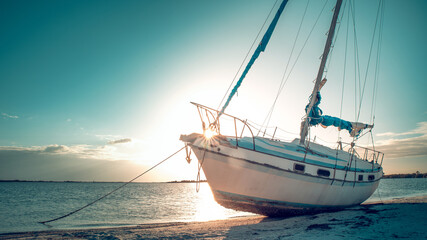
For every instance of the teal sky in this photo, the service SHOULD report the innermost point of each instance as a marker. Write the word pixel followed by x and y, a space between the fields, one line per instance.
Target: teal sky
pixel 109 82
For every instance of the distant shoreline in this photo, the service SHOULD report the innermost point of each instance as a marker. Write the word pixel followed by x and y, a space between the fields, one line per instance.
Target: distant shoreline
pixel 407 175
pixel 188 181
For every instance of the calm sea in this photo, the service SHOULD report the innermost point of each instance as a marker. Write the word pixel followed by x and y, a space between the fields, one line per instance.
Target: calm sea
pixel 23 204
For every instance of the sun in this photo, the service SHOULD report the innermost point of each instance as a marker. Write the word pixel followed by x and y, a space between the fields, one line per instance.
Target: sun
pixel 209 133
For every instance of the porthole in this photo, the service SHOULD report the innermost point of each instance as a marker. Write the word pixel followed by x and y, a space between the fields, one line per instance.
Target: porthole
pixel 323 173
pixel 360 177
pixel 299 167
pixel 371 177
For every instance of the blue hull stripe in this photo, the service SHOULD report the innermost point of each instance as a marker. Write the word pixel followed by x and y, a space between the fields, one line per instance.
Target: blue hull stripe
pixel 249 146
pixel 275 203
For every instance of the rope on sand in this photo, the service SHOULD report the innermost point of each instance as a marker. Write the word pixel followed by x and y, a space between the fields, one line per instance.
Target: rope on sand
pixel 121 186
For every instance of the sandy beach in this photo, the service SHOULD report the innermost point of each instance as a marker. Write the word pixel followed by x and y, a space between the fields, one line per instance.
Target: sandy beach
pixel 396 218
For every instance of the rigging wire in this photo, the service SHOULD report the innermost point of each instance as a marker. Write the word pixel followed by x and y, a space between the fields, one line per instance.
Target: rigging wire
pixel 356 57
pixel 283 81
pixel 376 76
pixel 247 54
pixel 259 127
pixel 331 51
pixel 267 119
pixel 121 186
pixel 345 59
pixel 369 60
pixel 345 68
pixel 361 90
pixel 378 61
pixel 333 42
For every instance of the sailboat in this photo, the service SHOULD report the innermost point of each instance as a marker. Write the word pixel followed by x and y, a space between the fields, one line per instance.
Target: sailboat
pixel 273 177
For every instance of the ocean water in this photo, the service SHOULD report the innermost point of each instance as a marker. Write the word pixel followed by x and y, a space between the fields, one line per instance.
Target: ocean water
pixel 24 204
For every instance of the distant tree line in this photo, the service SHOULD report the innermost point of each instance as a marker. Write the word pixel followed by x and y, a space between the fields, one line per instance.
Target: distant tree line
pixel 188 181
pixel 417 174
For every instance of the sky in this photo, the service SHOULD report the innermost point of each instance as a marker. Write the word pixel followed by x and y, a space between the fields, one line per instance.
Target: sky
pixel 101 90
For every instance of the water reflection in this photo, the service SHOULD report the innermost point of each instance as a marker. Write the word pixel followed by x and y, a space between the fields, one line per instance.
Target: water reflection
pixel 23 204
pixel 208 209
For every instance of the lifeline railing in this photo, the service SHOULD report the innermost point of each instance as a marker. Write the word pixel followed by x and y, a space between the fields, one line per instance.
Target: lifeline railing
pixel 369 155
pixel 210 120
pixel 210 116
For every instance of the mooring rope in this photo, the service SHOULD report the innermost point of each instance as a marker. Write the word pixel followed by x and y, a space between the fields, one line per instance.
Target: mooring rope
pixel 121 186
pixel 199 167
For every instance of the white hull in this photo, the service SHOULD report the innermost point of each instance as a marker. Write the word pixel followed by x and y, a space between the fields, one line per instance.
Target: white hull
pixel 254 181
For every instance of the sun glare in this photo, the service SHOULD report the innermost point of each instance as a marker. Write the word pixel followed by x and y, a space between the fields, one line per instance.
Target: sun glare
pixel 209 133
pixel 207 209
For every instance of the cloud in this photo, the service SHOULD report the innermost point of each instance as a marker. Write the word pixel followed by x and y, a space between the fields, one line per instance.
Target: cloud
pixel 36 164
pixel 80 163
pixel 76 151
pixel 55 149
pixel 407 144
pixel 420 130
pixel 390 134
pixel 123 140
pixel 5 115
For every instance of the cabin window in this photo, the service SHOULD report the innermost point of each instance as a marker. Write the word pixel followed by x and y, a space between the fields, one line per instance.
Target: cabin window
pixel 360 177
pixel 299 167
pixel 371 177
pixel 323 173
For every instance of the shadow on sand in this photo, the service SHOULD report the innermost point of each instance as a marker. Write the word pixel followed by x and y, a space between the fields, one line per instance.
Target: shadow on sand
pixel 398 220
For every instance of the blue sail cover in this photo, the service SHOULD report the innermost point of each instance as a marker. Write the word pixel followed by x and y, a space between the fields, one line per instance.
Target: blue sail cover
pixel 261 47
pixel 315 117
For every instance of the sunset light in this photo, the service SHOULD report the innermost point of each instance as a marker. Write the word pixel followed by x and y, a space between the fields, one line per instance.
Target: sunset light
pixel 226 119
pixel 209 133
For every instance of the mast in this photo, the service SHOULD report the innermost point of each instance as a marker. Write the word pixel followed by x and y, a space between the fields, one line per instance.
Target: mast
pixel 304 124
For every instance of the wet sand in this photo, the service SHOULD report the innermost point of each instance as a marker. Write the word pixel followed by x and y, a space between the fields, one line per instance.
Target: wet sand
pixel 396 218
